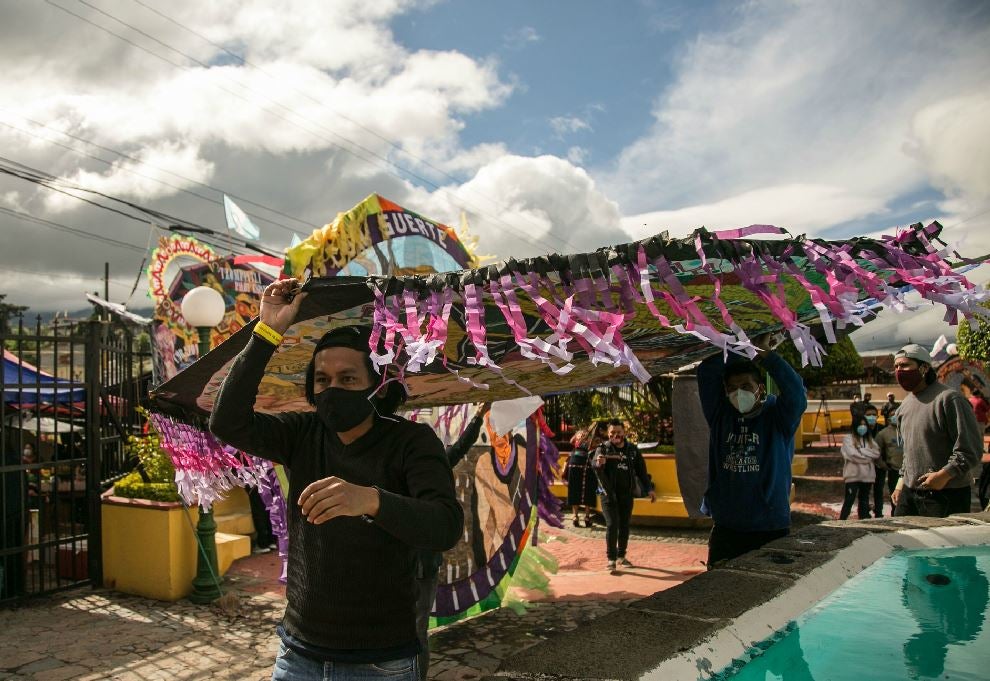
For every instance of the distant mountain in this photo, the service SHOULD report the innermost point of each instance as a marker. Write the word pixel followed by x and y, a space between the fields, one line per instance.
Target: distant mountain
pixel 83 313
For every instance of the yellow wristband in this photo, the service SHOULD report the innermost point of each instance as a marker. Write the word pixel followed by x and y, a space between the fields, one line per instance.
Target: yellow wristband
pixel 267 333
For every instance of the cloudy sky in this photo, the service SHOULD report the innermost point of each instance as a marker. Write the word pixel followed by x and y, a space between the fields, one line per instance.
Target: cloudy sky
pixel 555 126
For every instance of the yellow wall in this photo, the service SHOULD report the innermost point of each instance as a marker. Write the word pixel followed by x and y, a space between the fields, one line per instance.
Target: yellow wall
pixel 663 469
pixel 669 504
pixel 149 551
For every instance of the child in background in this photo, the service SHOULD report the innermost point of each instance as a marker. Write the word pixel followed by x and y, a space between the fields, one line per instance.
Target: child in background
pixel 860 452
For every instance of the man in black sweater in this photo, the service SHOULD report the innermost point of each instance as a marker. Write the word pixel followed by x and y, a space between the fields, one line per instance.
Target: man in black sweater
pixel 428 562
pixel 372 489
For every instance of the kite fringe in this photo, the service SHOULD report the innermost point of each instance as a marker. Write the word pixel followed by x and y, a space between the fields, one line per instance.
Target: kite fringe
pixel 590 297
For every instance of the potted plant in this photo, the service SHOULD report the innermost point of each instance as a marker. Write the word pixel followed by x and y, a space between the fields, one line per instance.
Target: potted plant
pixel 149 546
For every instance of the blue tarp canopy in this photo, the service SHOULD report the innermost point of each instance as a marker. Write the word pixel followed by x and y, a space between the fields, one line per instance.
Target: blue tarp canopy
pixel 25 384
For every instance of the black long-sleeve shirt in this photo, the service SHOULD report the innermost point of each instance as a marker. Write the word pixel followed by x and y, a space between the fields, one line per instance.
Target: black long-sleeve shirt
pixel 616 476
pixel 350 582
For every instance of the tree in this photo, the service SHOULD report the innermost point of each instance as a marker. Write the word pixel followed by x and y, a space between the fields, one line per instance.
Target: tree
pixel 974 345
pixel 6 312
pixel 842 362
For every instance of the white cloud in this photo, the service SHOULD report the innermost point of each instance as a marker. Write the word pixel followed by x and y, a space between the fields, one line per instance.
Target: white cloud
pixel 814 94
pixel 577 155
pixel 157 172
pixel 795 207
pixel 568 125
pixel 12 199
pixel 543 204
pixel 521 37
pixel 952 140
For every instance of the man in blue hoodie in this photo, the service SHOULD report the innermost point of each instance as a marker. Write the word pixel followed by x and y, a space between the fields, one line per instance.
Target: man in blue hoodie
pixel 750 449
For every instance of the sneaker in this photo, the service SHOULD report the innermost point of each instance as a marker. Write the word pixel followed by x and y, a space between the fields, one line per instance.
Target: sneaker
pixel 624 562
pixel 260 549
pixel 611 565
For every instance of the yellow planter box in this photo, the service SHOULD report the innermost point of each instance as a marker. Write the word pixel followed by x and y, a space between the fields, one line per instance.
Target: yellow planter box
pixel 149 548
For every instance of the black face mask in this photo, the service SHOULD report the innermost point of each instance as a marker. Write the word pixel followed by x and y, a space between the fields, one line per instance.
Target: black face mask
pixel 340 410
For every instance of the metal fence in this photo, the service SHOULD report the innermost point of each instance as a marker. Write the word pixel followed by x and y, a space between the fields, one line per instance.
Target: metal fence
pixel 70 392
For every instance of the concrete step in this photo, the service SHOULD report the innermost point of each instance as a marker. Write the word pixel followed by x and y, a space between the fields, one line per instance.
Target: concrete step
pixel 230 547
pixel 237 522
pixel 828 465
pixel 814 488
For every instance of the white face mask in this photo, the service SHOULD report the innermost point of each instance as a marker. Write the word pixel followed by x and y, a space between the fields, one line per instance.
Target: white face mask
pixel 743 400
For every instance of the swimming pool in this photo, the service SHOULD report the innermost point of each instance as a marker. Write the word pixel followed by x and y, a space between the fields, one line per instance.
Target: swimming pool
pixel 915 614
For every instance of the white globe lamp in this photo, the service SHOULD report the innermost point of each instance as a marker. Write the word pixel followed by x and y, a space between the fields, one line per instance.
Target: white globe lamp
pixel 204 308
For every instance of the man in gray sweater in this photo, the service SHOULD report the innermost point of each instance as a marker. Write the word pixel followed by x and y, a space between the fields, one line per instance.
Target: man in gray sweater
pixel 942 441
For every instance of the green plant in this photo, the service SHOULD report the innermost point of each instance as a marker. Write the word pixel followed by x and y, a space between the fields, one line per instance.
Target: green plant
pixel 132 487
pixel 157 466
pixel 974 345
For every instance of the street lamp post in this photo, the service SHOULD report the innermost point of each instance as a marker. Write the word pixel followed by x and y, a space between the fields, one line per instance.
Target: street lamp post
pixel 204 308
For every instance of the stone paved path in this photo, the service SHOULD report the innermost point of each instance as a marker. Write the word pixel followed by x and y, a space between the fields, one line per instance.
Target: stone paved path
pixel 99 634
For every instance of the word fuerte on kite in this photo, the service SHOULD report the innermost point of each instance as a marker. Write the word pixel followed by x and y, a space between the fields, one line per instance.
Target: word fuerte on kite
pixel 399 224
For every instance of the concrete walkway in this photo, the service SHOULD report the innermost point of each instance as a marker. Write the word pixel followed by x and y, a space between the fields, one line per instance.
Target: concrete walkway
pixel 99 634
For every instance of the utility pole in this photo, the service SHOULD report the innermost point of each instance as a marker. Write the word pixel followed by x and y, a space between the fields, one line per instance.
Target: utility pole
pixel 105 314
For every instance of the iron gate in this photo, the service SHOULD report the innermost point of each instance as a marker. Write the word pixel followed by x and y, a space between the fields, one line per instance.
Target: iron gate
pixel 70 392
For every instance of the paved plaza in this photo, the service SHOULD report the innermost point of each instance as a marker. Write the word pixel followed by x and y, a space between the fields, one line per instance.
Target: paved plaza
pixel 99 634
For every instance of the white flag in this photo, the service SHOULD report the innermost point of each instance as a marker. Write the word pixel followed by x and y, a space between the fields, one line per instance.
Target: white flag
pixel 506 414
pixel 238 220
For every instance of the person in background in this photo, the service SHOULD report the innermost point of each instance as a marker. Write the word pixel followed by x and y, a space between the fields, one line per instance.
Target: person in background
pixel 942 441
pixel 859 453
pixel 32 477
pixel 867 402
pixel 855 408
pixel 582 485
pixel 981 409
pixel 888 408
pixel 264 538
pixel 891 454
pixel 371 489
pixel 619 465
pixel 872 417
pixel 429 562
pixel 750 449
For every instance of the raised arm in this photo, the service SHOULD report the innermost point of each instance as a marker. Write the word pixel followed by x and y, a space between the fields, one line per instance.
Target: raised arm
pixel 234 420
pixel 456 451
pixel 710 390
pixel 792 400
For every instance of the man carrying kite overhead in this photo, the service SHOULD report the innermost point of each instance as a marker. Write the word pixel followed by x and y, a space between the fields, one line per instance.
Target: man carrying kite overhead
pixel 371 488
pixel 750 450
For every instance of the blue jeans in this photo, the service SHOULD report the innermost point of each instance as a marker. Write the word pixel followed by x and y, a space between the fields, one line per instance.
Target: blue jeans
pixel 291 666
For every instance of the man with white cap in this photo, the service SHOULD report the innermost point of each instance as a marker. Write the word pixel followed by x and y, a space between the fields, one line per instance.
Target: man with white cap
pixel 942 441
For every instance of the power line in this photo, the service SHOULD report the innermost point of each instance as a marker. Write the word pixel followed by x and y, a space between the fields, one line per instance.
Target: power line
pixel 27 217
pixel 175 224
pixel 150 177
pixel 389 164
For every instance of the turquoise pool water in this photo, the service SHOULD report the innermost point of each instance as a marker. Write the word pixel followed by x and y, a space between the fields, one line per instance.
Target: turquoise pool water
pixel 913 615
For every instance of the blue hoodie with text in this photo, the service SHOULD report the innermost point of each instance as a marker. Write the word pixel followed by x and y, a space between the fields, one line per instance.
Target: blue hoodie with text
pixel 749 457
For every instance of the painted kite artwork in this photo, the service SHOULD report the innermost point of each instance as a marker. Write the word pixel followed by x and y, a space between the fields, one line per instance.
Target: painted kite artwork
pixel 625 313
pixel 497 485
pixel 459 334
